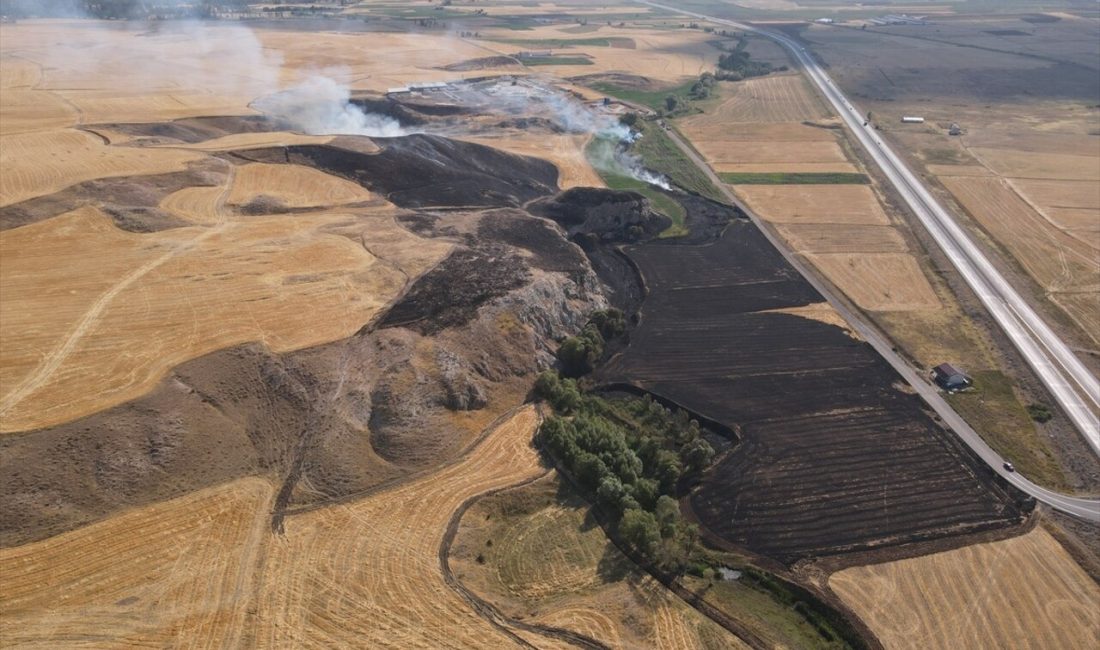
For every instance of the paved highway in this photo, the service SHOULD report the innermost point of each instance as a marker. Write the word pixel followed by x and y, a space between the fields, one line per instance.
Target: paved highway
pixel 1076 389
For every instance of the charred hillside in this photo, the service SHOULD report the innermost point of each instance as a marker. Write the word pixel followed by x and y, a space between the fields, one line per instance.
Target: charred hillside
pixel 423 171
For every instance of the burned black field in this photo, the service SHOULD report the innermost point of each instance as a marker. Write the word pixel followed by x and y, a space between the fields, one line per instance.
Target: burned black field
pixel 833 456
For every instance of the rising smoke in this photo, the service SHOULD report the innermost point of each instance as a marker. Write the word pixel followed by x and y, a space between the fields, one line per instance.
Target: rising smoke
pixel 612 139
pixel 322 106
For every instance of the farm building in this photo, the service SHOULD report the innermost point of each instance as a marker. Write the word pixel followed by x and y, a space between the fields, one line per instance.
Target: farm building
pixel 949 377
pixel 911 119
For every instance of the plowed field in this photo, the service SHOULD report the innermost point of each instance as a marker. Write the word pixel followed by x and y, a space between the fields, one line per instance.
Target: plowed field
pixel 1025 592
pixel 834 457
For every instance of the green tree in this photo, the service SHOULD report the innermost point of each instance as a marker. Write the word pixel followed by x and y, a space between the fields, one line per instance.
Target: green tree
pixel 645 491
pixel 666 470
pixel 639 529
pixel 629 119
pixel 697 455
pixel 610 494
pixel 671 103
pixel 667 512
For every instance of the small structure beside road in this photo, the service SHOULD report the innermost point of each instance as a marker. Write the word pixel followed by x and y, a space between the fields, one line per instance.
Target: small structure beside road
pixel 948 377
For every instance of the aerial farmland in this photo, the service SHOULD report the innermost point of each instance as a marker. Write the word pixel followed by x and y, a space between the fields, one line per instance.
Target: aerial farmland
pixel 500 323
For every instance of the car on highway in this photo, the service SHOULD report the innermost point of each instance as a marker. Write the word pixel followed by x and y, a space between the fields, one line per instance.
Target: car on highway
pixel 1009 466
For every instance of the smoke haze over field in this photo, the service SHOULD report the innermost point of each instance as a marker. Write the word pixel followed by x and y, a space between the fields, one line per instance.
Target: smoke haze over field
pixel 321 106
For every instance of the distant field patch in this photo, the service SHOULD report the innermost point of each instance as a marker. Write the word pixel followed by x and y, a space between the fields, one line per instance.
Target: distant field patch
pixel 560 43
pixel 793 178
pixel 555 60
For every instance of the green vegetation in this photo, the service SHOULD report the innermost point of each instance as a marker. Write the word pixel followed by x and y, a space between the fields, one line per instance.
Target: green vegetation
pixel 555 60
pixel 660 201
pixel 775 611
pixel 737 64
pixel 628 456
pixel 994 411
pixel 600 150
pixel 663 156
pixel 785 178
pixel 653 98
pixel 1039 412
pixel 578 354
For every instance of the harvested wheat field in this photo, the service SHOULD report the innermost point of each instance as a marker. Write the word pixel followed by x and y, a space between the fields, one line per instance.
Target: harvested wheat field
pixel 293 186
pixel 544 561
pixel 878 281
pixel 770 99
pixel 1040 165
pixel 782 156
pixel 1055 259
pixel 242 141
pixel 816 204
pixel 1025 592
pixel 565 151
pixel 126 307
pixel 829 238
pixel 821 312
pixel 367 573
pixel 174 574
pixel 731 146
pixel 41 163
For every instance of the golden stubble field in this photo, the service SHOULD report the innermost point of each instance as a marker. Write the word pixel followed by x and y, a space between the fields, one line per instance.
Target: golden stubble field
pixel 205 570
pixel 1028 173
pixel 87 304
pixel 1024 592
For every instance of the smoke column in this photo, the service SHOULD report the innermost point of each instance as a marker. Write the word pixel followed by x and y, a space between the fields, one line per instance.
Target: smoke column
pixel 321 106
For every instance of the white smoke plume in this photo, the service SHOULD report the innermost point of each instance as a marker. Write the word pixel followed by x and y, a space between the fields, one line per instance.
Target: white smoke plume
pixel 610 152
pixel 322 106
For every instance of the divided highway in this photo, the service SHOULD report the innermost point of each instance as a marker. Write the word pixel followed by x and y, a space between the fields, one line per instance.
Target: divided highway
pixel 1073 386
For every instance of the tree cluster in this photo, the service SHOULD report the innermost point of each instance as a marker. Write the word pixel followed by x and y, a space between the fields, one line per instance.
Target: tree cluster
pixel 631 456
pixel 738 65
pixel 578 354
pixel 702 88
